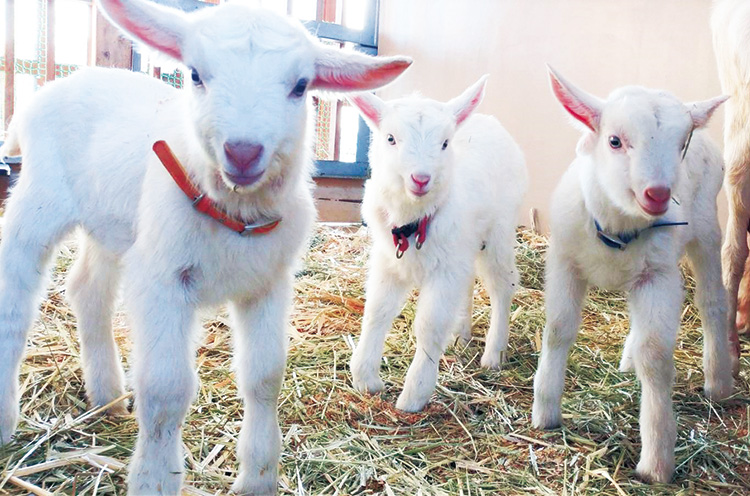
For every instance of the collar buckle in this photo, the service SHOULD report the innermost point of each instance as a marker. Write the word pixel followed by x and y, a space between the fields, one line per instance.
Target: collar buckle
pixel 259 227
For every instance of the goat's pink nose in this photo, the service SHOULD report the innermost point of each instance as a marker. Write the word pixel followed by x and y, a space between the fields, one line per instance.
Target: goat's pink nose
pixel 242 154
pixel 659 194
pixel 421 180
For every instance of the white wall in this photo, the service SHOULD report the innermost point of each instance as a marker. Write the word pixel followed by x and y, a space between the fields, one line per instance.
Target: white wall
pixel 597 44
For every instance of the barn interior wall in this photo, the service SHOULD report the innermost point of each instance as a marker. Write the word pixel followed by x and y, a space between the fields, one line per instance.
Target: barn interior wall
pixel 597 44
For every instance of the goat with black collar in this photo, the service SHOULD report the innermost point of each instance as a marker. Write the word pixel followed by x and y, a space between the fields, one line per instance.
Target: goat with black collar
pixel 640 193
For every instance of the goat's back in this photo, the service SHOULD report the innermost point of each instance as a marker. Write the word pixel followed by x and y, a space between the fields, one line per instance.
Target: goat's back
pixel 490 170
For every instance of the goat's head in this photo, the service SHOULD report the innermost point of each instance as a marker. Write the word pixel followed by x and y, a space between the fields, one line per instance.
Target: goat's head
pixel 412 138
pixel 637 138
pixel 249 73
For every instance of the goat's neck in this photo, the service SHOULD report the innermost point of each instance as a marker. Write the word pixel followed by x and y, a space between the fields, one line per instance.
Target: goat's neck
pixel 401 209
pixel 600 207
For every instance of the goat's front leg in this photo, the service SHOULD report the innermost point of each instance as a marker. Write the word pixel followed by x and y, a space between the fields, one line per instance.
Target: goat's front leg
pixel 261 340
pixel 655 307
pixel 164 326
pixel 564 294
pixel 385 297
pixel 441 298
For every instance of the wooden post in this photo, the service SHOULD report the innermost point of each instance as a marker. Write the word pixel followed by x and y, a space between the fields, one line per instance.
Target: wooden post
pixel 112 50
pixel 50 69
pixel 326 10
pixel 10 59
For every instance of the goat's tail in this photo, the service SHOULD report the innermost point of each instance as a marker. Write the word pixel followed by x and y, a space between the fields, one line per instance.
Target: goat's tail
pixel 11 147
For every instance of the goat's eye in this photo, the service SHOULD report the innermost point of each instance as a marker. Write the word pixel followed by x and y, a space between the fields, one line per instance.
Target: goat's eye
pixel 195 77
pixel 391 139
pixel 299 88
pixel 445 144
pixel 615 142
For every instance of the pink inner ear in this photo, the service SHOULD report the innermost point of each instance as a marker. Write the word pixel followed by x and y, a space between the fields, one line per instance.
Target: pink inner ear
pixel 144 33
pixel 340 79
pixel 575 107
pixel 468 109
pixel 367 109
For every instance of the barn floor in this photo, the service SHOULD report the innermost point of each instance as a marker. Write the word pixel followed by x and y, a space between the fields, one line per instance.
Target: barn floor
pixel 474 438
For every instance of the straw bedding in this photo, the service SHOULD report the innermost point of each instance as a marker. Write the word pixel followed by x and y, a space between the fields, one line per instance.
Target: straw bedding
pixel 474 438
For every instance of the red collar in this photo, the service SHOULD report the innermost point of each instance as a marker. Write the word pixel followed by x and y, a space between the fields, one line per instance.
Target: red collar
pixel 203 203
pixel 401 234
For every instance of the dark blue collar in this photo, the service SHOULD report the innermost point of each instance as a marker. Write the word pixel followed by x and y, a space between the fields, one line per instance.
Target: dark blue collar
pixel 621 240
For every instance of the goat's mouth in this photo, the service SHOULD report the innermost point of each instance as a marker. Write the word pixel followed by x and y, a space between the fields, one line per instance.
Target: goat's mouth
pixel 244 179
pixel 653 208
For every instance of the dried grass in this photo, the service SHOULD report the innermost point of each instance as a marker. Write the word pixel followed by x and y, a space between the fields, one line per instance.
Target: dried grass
pixel 474 438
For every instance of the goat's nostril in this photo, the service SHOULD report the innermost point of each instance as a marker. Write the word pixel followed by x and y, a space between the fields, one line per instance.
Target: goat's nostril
pixel 243 154
pixel 421 180
pixel 658 194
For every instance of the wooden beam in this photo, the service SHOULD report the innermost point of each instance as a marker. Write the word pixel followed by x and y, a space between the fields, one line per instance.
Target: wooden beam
pixel 326 11
pixel 10 59
pixel 112 50
pixel 50 58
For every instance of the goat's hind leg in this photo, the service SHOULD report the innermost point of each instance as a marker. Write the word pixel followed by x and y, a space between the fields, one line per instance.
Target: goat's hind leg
pixel 734 251
pixel 711 299
pixel 35 220
pixel 92 288
pixel 497 268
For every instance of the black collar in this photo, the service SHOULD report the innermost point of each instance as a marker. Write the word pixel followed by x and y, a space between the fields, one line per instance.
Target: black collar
pixel 621 240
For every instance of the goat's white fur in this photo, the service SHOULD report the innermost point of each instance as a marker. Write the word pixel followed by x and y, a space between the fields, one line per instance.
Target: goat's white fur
pixel 86 142
pixel 606 184
pixel 475 191
pixel 730 24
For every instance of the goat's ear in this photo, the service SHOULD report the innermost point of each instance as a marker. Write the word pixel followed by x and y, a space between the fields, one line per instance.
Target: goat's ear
pixel 161 28
pixel 701 112
pixel 344 70
pixel 464 104
pixel 582 106
pixel 370 107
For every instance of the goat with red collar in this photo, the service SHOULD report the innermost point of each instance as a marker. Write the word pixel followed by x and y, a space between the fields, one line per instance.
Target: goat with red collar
pixel 196 197
pixel 442 204
pixel 640 193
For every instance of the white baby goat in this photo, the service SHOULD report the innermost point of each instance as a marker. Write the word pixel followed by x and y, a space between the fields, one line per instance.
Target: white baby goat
pixel 458 180
pixel 616 223
pixel 240 131
pixel 730 24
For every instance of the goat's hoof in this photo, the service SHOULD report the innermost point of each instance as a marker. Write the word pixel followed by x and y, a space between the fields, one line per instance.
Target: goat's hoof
pixel 545 420
pixel 367 383
pixel 8 424
pixel 408 403
pixel 492 361
pixel 661 473
pixel 463 335
pixel 718 390
pixel 263 484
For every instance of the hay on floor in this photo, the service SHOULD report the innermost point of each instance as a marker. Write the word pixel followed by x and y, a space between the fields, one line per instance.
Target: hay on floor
pixel 474 438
